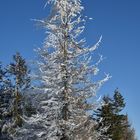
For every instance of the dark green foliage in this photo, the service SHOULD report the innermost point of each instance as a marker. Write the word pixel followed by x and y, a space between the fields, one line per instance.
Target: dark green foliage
pixel 21 81
pixel 112 123
pixel 104 117
pixel 29 109
pixel 119 103
pixel 18 69
pixel 129 131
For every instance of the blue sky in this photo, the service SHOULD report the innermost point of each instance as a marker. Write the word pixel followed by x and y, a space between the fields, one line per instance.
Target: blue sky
pixel 118 21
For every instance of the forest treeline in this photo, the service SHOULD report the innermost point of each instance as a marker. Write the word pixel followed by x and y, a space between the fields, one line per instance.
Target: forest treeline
pixel 15 103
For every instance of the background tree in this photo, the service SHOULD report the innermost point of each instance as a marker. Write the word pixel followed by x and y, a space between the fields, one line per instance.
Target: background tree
pixel 110 117
pixel 19 71
pixel 6 90
pixel 118 103
pixel 103 118
pixel 14 82
pixel 2 108
pixel 130 135
pixel 2 73
pixel 129 131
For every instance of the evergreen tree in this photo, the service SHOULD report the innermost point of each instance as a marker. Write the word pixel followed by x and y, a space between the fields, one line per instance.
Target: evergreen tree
pixel 66 79
pixel 14 81
pixel 2 73
pixel 119 103
pixel 130 134
pixel 103 118
pixel 109 116
pixel 5 102
pixel 119 120
pixel 18 73
pixel 129 131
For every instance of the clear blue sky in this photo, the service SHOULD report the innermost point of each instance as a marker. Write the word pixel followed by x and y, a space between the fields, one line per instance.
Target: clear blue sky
pixel 117 20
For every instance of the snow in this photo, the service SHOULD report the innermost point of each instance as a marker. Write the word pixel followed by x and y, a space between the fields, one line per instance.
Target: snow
pixel 65 76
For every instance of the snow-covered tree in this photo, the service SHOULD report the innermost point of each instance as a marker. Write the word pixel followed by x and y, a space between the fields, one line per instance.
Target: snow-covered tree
pixel 14 84
pixel 66 78
pixel 6 90
pixel 19 72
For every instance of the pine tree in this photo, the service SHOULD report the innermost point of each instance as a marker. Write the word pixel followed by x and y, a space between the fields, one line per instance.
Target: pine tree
pixel 5 102
pixel 18 73
pixel 129 131
pixel 65 78
pixel 1 91
pixel 1 99
pixel 110 117
pixel 14 81
pixel 130 134
pixel 119 103
pixel 103 116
